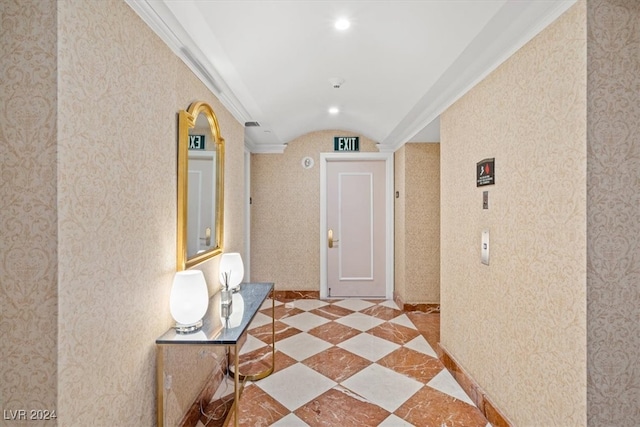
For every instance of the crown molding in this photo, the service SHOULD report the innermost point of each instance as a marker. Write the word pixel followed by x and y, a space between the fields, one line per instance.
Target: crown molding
pixel 500 39
pixel 162 22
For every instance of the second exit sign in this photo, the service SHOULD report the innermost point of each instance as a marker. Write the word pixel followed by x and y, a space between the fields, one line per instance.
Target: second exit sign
pixel 346 143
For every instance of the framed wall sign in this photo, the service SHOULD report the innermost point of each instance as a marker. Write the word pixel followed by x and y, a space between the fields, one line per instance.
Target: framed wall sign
pixel 485 172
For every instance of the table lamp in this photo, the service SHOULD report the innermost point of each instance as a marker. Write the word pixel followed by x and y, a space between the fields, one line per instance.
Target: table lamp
pixel 189 300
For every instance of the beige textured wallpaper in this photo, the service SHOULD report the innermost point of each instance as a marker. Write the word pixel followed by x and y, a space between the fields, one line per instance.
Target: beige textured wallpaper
pixel 422 223
pixel 613 213
pixel 285 213
pixel 28 220
pixel 112 169
pixel 417 223
pixel 518 326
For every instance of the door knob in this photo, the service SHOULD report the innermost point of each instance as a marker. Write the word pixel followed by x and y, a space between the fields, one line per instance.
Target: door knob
pixel 207 236
pixel 330 238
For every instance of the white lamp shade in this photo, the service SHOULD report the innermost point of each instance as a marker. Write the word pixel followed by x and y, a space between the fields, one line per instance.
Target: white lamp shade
pixel 231 263
pixel 189 298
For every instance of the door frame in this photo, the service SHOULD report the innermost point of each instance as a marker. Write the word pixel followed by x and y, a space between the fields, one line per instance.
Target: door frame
pixel 247 215
pixel 389 207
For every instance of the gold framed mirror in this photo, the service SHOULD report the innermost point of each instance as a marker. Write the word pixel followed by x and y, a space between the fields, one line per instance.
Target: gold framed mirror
pixel 200 186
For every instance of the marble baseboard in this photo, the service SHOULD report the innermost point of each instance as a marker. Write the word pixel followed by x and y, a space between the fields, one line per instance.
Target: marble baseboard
pixel 482 401
pixel 423 307
pixel 293 295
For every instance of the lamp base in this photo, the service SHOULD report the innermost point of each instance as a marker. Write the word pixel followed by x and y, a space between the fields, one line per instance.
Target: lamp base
pixel 188 329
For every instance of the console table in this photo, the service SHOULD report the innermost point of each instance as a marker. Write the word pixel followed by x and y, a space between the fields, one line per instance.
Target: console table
pixel 222 331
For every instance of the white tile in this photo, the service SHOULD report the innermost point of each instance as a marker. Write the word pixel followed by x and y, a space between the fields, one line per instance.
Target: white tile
pixel 295 385
pixel 305 321
pixel 368 346
pixel 302 346
pixel 445 383
pixel 395 421
pixel 354 304
pixel 382 386
pixel 252 343
pixel 267 304
pixel 421 345
pixel 308 304
pixel 390 303
pixel 403 320
pixel 359 321
pixel 259 320
pixel 290 421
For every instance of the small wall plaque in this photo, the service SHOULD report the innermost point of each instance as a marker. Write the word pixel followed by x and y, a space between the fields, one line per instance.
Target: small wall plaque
pixel 307 163
pixel 485 172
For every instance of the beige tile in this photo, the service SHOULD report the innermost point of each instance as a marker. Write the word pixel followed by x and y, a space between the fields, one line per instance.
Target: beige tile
pixel 337 363
pixel 413 364
pixel 382 312
pixel 257 408
pixel 340 407
pixel 332 311
pixel 334 332
pixel 393 332
pixel 429 407
pixel 282 330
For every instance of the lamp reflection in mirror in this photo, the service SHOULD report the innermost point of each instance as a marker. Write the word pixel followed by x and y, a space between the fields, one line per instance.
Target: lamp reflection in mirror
pixel 231 270
pixel 189 300
pixel 232 316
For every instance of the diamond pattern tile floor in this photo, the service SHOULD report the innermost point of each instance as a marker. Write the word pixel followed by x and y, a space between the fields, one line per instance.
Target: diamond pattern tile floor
pixel 344 363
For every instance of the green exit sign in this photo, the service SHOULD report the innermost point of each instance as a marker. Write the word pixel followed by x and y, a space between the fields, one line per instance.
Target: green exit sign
pixel 346 143
pixel 196 142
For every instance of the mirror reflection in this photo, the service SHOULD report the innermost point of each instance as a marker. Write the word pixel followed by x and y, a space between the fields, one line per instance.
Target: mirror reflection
pixel 200 186
pixel 201 206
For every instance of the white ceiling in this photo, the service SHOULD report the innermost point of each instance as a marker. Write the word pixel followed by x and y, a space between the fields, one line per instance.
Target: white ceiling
pixel 403 62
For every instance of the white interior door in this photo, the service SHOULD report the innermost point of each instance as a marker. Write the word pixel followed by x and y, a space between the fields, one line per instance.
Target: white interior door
pixel 200 209
pixel 356 228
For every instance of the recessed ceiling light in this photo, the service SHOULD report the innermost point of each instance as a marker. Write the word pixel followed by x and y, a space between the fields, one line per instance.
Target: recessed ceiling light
pixel 334 110
pixel 342 24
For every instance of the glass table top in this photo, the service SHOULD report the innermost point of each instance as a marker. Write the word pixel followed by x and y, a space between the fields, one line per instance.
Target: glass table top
pixel 224 330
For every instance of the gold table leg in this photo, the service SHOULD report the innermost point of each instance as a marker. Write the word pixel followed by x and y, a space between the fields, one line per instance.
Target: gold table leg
pixel 236 386
pixel 237 376
pixel 269 370
pixel 160 385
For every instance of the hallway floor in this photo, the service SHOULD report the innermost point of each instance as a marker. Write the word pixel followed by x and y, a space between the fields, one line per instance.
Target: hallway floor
pixel 346 363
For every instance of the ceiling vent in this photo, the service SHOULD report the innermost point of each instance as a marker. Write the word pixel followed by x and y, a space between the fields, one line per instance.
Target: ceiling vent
pixel 336 82
pixel 251 124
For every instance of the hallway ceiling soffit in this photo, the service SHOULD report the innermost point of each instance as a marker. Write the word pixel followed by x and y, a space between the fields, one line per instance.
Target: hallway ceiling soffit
pixel 400 64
